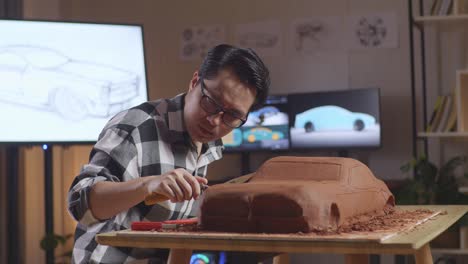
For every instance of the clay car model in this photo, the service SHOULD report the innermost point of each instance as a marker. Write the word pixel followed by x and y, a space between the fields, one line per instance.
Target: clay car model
pixel 295 194
pixel 331 117
pixel 46 79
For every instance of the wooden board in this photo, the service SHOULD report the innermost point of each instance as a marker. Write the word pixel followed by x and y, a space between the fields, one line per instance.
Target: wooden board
pixel 406 242
pixel 375 236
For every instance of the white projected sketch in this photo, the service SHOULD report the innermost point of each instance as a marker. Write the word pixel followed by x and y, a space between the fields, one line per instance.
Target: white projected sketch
pixel 48 80
pixel 197 40
pixel 316 34
pixel 373 31
pixel 263 37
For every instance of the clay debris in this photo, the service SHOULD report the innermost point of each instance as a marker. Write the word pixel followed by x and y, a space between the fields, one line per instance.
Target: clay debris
pixel 387 220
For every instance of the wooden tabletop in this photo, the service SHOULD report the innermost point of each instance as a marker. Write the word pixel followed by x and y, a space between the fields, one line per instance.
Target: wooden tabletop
pixel 405 242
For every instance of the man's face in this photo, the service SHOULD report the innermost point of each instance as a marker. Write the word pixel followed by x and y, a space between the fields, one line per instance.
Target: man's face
pixel 227 92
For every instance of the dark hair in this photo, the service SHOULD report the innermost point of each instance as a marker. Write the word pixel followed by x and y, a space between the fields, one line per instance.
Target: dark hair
pixel 245 63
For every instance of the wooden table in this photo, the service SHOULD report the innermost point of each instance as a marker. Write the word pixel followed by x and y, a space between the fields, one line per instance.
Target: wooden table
pixel 414 242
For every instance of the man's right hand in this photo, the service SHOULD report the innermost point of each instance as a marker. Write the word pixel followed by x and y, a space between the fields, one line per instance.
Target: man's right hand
pixel 177 185
pixel 110 198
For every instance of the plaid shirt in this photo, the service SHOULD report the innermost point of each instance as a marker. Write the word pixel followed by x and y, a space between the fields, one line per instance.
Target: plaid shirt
pixel 149 139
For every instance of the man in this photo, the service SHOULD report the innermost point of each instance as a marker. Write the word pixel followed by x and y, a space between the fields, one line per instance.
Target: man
pixel 163 147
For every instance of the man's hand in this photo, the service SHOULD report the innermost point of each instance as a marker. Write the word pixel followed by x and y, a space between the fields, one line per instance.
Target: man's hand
pixel 110 198
pixel 178 185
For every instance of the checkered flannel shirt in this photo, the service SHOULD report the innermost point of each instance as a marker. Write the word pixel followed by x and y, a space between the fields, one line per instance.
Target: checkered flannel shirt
pixel 149 139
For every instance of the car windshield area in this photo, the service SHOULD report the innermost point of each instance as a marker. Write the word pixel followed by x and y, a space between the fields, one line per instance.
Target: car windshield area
pixel 315 171
pixel 36 56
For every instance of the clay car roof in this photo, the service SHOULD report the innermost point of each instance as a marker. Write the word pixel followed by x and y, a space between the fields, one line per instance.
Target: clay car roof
pixel 307 168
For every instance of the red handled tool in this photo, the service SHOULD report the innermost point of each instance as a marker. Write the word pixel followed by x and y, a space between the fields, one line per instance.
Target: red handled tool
pixel 164 225
pixel 155 198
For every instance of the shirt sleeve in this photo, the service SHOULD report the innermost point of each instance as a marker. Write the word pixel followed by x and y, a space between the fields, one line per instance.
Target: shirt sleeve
pixel 113 158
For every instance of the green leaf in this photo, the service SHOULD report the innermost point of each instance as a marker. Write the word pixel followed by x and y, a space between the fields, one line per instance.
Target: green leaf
pixel 407 167
pixel 426 172
pixel 49 242
pixel 430 184
pixel 451 165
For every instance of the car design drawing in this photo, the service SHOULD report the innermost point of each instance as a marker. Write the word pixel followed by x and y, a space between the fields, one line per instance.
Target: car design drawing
pixel 262 133
pixel 233 139
pixel 258 40
pixel 331 117
pixel 46 79
pixel 295 194
pixel 267 115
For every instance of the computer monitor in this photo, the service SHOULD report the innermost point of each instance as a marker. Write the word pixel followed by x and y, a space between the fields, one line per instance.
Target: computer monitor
pixel 266 128
pixel 336 119
pixel 62 81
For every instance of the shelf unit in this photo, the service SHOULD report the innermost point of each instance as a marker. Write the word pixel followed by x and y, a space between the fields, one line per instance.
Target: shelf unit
pixel 462 96
pixel 457 18
pixel 442 134
pixel 458 15
pixel 450 251
pixel 422 20
pixel 461 102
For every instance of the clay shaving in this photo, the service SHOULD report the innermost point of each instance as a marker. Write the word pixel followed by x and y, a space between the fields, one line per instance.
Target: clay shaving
pixel 387 220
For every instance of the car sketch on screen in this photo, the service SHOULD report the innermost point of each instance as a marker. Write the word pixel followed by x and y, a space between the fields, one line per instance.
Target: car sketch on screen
pixel 267 116
pixel 265 129
pixel 51 81
pixel 233 139
pixel 330 117
pixel 261 134
pixel 333 126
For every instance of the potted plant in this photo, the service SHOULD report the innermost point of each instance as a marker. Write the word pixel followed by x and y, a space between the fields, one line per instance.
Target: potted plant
pixel 433 185
pixel 52 241
pixel 430 184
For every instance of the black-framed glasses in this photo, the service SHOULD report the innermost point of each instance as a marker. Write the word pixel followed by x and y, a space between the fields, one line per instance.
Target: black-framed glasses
pixel 230 118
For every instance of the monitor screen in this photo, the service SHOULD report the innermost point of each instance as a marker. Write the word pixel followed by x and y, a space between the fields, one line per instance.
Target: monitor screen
pixel 208 257
pixel 62 81
pixel 335 120
pixel 266 128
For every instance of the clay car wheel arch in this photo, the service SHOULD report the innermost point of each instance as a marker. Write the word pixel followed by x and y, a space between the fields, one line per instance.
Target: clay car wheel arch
pixel 390 201
pixel 358 125
pixel 334 215
pixel 309 127
pixel 68 104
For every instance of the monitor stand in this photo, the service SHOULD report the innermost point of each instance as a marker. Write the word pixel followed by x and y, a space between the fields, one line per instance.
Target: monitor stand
pixel 12 170
pixel 343 153
pixel 49 198
pixel 245 163
pixel 362 157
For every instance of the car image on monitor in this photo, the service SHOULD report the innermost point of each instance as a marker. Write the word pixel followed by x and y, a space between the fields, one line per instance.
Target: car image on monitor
pixel 335 119
pixel 331 118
